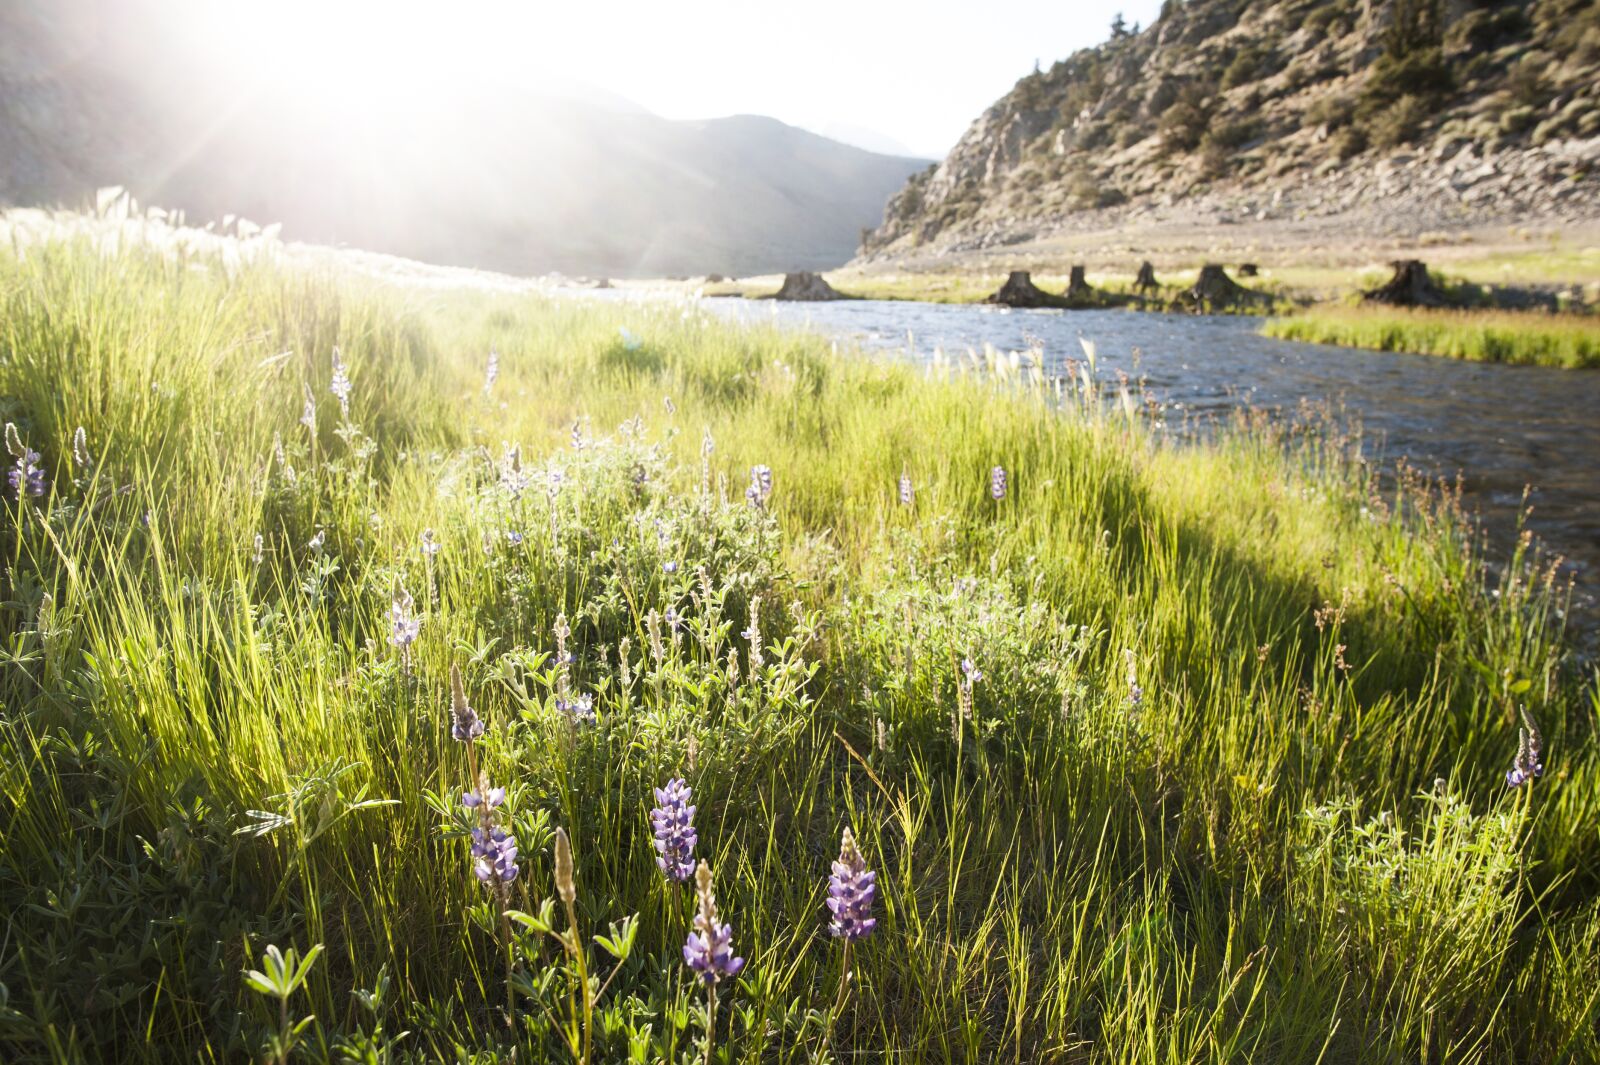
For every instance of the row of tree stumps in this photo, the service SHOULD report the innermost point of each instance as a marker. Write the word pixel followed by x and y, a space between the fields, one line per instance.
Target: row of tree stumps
pixel 1213 289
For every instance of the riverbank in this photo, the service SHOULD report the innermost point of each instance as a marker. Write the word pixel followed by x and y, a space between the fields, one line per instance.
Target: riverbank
pixel 1524 338
pixel 1126 728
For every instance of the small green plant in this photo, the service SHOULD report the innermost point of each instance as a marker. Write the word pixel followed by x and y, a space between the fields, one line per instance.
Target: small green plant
pixel 282 973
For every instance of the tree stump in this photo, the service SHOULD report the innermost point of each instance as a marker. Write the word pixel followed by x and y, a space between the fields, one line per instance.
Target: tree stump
pixel 1079 292
pixel 1249 270
pixel 1215 289
pixel 1146 281
pixel 806 287
pixel 1411 286
pixel 1020 291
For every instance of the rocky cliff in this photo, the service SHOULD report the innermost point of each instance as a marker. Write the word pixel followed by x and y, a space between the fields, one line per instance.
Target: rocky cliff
pixel 1393 116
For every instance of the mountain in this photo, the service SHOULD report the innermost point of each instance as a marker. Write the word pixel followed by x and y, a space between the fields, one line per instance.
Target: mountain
pixel 460 171
pixel 1394 117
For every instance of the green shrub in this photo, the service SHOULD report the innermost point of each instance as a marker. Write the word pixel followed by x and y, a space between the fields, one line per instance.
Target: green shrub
pixel 1244 68
pixel 1183 126
pixel 1400 122
pixel 1517 120
pixel 1334 112
pixel 1349 142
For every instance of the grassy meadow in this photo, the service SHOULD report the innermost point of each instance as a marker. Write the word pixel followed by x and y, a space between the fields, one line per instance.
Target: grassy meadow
pixel 1172 753
pixel 1569 340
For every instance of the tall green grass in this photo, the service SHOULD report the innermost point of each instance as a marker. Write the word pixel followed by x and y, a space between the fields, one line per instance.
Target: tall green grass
pixel 1570 340
pixel 1230 787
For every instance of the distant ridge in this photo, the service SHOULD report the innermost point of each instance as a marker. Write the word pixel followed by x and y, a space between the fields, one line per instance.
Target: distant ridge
pixel 474 174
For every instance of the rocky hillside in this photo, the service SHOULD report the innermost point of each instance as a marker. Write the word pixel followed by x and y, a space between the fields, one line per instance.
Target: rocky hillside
pixel 470 173
pixel 1391 116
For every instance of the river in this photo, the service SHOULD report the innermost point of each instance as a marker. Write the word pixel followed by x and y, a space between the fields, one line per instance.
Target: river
pixel 1501 428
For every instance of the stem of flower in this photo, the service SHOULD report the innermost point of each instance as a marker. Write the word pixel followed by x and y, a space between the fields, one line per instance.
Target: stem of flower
pixel 844 994
pixel 711 1019
pixel 575 945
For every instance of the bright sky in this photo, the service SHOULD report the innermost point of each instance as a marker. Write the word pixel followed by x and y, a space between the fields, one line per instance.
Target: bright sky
pixel 914 73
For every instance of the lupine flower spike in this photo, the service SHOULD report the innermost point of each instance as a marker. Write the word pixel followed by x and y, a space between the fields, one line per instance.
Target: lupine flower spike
pixel 26 476
pixel 851 891
pixel 465 724
pixel 404 624
pixel 708 952
pixel 492 372
pixel 673 824
pixel 1529 763
pixel 997 483
pixel 760 489
pixel 494 850
pixel 579 709
pixel 340 385
pixel 908 494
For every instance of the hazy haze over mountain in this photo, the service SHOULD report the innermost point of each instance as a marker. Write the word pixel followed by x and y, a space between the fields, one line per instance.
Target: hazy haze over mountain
pixel 445 164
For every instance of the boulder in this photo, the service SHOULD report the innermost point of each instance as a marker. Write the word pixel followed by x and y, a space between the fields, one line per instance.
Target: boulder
pixel 807 287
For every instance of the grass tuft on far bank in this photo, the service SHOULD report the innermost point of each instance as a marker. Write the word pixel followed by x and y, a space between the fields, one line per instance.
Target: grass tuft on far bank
pixel 1171 753
pixel 1530 338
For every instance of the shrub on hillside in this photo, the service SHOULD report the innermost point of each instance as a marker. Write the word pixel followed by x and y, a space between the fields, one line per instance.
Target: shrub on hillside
pixel 1183 126
pixel 1349 142
pixel 1333 112
pixel 1399 123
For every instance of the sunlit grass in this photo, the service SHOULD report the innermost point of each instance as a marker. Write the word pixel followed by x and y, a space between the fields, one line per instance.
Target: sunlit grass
pixel 1231 787
pixel 1569 340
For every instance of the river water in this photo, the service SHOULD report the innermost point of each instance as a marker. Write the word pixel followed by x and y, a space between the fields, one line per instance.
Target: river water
pixel 1501 428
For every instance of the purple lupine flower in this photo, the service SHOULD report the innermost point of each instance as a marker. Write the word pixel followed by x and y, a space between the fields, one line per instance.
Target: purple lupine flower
pixel 997 483
pixel 340 385
pixel 577 434
pixel 486 797
pixel 430 546
pixel 760 489
pixel 404 623
pixel 492 372
pixel 579 708
pixel 709 948
pixel 669 567
pixel 26 476
pixel 907 494
pixel 494 851
pixel 852 888
pixel 1528 764
pixel 673 823
pixel 513 538
pixel 465 724
pixel 969 670
pixel 308 413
